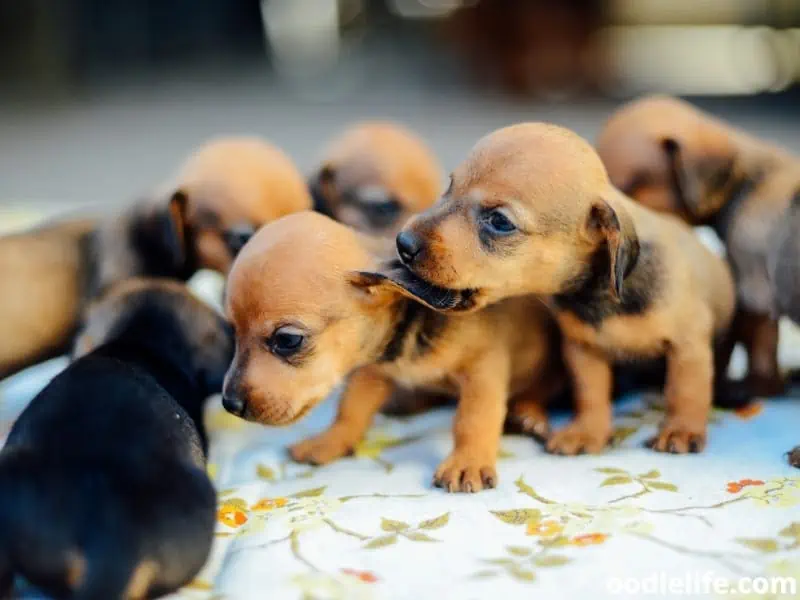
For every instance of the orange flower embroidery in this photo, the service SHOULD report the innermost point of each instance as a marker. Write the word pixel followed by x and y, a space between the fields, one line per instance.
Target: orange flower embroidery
pixel 266 504
pixel 750 410
pixel 589 539
pixel 231 515
pixel 734 487
pixel 364 576
pixel 544 528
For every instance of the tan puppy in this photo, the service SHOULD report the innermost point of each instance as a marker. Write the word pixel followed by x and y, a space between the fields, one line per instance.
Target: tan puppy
pixel 374 176
pixel 200 219
pixel 674 158
pixel 531 211
pixel 309 308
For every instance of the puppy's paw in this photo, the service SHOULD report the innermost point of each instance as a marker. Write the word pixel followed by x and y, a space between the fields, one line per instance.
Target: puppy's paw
pixel 579 437
pixel 679 437
pixel 794 457
pixel 466 472
pixel 321 449
pixel 528 420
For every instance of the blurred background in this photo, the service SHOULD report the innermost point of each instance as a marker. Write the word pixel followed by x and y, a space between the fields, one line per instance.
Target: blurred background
pixel 100 99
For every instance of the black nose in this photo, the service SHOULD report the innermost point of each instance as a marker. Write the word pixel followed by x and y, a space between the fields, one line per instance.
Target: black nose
pixel 408 246
pixel 234 403
pixel 236 237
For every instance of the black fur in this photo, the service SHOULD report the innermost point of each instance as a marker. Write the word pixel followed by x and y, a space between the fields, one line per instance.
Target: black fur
pixel 436 297
pixel 741 189
pixel 315 187
pixel 589 296
pixel 107 464
pixel 159 248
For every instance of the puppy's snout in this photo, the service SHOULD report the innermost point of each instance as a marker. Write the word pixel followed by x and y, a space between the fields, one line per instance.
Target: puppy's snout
pixel 234 402
pixel 236 237
pixel 409 246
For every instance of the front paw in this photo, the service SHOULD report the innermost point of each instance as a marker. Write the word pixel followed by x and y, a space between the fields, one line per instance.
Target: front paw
pixel 580 437
pixel 321 449
pixel 679 437
pixel 464 471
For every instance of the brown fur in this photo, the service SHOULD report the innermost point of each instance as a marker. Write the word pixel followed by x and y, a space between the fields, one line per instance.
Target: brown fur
pixel 311 276
pixel 624 282
pixel 674 158
pixel 374 176
pixel 219 196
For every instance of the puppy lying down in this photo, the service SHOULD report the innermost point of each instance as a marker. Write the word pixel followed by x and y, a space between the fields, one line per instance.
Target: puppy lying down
pixel 310 307
pixel 103 490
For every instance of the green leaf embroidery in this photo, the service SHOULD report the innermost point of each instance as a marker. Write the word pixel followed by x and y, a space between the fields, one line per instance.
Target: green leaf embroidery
pixel 310 493
pixel 485 574
pixel 621 434
pixel 519 550
pixel 382 542
pixel 503 453
pixel 616 480
pixel 661 485
pixel 518 517
pixel 765 545
pixel 389 525
pixel 555 542
pixel 235 502
pixel 500 562
pixel 792 531
pixel 418 536
pixel 227 492
pixel 522 574
pixel 264 472
pixel 436 523
pixel 654 474
pixel 611 471
pixel 551 560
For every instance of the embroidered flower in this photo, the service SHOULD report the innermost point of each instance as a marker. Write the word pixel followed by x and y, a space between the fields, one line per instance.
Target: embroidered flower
pixel 734 487
pixel 365 576
pixel 231 515
pixel 589 539
pixel 267 504
pixel 547 528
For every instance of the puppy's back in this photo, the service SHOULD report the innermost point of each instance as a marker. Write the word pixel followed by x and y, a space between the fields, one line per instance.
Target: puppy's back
pixel 43 275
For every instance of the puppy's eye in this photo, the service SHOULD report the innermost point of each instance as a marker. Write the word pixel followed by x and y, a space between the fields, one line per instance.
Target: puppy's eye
pixel 285 342
pixel 497 222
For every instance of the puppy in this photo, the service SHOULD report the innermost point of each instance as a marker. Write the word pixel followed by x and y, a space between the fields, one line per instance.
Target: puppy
pixel 672 157
pixel 374 176
pixel 531 211
pixel 200 219
pixel 103 491
pixel 310 306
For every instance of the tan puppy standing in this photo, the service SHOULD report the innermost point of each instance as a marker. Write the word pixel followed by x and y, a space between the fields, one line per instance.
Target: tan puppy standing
pixel 531 211
pixel 309 307
pixel 200 219
pixel 374 176
pixel 674 158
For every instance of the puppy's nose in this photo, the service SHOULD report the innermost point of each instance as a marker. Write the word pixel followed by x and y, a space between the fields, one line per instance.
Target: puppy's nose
pixel 236 237
pixel 408 246
pixel 234 403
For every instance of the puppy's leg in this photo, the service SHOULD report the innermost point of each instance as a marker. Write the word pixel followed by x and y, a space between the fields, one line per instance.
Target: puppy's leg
pixel 759 334
pixel 527 415
pixel 590 430
pixel 477 428
pixel 688 392
pixel 366 391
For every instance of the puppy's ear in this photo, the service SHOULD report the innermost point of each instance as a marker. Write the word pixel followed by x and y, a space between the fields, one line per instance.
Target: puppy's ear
pixel 619 237
pixel 321 187
pixel 175 226
pixel 376 289
pixel 694 182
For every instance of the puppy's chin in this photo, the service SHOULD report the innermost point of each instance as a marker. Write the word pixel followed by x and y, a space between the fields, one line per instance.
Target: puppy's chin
pixel 281 416
pixel 436 297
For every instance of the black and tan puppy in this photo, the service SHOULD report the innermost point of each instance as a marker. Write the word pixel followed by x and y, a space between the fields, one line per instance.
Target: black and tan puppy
pixel 674 158
pixel 103 490
pixel 200 219
pixel 309 308
pixel 531 211
pixel 374 176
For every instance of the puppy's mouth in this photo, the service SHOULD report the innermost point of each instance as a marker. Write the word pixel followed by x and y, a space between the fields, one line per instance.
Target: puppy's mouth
pixel 434 296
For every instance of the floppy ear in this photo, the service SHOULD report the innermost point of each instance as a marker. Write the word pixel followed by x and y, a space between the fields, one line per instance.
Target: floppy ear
pixel 620 239
pixel 165 231
pixel 378 288
pixel 321 187
pixel 695 181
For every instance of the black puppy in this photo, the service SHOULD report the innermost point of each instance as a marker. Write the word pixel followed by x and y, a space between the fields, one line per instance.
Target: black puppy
pixel 103 490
